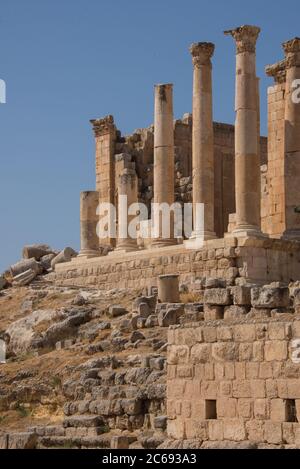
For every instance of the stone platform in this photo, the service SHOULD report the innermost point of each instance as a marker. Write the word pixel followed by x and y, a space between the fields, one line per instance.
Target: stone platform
pixel 238 260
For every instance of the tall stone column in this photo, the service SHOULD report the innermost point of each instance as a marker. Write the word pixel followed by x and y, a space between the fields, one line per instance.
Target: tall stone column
pixel 292 139
pixel 163 163
pixel 89 241
pixel 128 189
pixel 105 137
pixel 247 164
pixel 203 140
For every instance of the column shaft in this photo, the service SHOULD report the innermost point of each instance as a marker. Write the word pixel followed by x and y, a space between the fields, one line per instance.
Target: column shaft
pixel 89 241
pixel 163 165
pixel 203 140
pixel 247 164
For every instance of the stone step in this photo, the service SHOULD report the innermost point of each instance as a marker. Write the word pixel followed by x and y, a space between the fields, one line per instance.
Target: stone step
pixel 102 442
pixel 80 421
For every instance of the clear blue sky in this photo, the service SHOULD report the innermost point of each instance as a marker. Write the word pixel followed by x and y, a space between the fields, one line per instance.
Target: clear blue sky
pixel 67 61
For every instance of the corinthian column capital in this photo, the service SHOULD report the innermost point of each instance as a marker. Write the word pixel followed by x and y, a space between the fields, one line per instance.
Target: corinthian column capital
pixel 202 52
pixel 292 52
pixel 245 38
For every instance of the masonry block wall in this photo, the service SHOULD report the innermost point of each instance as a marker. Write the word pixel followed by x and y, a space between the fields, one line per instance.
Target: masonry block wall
pixel 235 381
pixel 237 261
pixel 139 148
pixel 273 198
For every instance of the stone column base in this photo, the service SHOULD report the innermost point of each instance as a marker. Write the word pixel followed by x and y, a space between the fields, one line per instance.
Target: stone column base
pixel 247 231
pixel 290 235
pixel 89 253
pixel 162 243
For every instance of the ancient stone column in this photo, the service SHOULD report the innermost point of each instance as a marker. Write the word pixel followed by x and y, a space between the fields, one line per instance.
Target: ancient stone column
pixel 89 241
pixel 247 164
pixel 203 140
pixel 292 138
pixel 168 289
pixel 163 163
pixel 128 190
pixel 105 138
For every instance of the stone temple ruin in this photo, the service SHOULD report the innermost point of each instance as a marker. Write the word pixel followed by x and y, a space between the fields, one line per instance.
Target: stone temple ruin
pixel 231 374
pixel 233 361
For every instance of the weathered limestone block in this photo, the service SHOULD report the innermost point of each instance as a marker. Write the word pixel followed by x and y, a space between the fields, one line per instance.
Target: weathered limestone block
pixel 171 316
pixel 217 296
pixel 213 313
pixel 224 352
pixel 115 311
pixel 178 354
pixel 232 313
pixel 24 266
pixel 2 282
pixel 241 295
pixel 149 300
pixel 45 261
pixel 22 441
pixel 268 297
pixel 80 421
pixel 201 353
pixel 36 251
pixel 25 278
pixel 276 350
pixel 64 256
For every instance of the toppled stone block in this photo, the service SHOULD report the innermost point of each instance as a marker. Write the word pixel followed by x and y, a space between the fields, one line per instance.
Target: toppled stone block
pixel 141 323
pixel 25 278
pixel 36 251
pixel 171 316
pixel 3 282
pixel 152 321
pixel 116 311
pixel 143 310
pixel 45 261
pixel 217 296
pixel 22 440
pixel 160 423
pixel 135 336
pixel 66 255
pixel 150 301
pixel 270 298
pixel 214 283
pixel 24 266
pixel 80 421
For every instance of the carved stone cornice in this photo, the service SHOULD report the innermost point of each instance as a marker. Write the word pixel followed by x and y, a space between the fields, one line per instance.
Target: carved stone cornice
pixel 277 71
pixel 202 52
pixel 292 52
pixel 245 38
pixel 103 126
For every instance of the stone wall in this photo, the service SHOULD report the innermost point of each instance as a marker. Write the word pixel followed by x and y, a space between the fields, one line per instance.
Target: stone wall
pixel 235 381
pixel 236 260
pixel 273 187
pixel 138 148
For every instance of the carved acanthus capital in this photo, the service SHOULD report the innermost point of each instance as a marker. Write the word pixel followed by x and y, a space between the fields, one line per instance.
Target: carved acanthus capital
pixel 277 71
pixel 202 52
pixel 245 38
pixel 292 52
pixel 103 126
